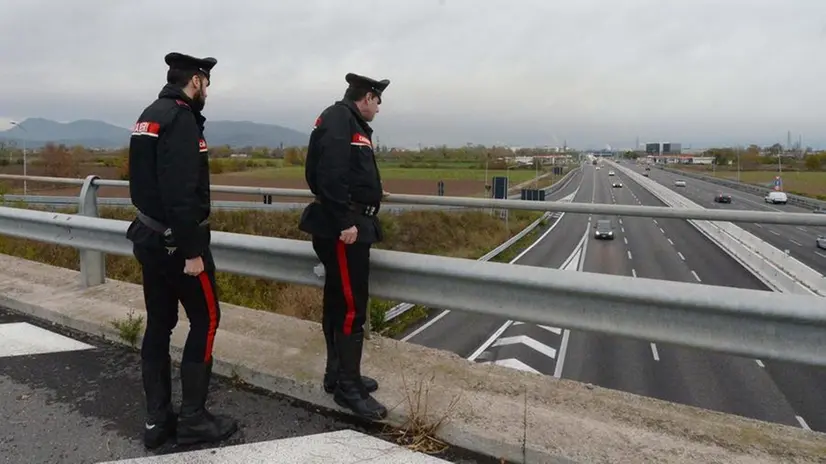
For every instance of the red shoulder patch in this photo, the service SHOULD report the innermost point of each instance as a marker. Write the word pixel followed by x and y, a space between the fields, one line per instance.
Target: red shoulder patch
pixel 181 103
pixel 361 140
pixel 317 122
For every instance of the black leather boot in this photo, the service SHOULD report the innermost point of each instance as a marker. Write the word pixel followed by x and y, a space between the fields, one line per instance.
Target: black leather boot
pixel 331 372
pixel 350 392
pixel 195 423
pixel 157 387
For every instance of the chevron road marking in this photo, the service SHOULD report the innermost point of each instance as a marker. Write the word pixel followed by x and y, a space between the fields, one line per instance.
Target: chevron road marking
pixel 527 341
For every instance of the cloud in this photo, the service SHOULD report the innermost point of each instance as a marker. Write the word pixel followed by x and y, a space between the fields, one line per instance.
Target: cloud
pixel 485 71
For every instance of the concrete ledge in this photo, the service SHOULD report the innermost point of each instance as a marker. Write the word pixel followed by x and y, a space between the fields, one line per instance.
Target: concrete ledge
pixel 502 412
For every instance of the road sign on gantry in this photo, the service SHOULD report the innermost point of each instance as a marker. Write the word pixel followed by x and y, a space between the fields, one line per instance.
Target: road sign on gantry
pixel 500 187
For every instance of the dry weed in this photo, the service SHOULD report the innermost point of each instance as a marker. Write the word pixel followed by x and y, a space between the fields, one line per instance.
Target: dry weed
pixel 418 432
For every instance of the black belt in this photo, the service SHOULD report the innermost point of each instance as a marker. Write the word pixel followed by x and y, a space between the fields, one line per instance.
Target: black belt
pixel 158 226
pixel 361 208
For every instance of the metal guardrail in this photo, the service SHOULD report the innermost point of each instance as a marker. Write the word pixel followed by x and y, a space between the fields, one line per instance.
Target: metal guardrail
pixel 765 325
pixel 560 184
pixel 796 200
pixel 766 217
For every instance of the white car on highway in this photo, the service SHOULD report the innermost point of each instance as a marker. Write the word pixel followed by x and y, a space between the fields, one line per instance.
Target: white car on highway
pixel 610 173
pixel 820 241
pixel 679 183
pixel 776 197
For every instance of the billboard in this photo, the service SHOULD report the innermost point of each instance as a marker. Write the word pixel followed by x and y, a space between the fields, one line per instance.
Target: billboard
pixel 652 148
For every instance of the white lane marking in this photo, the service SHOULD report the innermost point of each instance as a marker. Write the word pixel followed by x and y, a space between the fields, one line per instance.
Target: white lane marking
pixel 655 221
pixel 774 232
pixel 22 338
pixel 620 221
pixel 661 230
pixel 555 330
pixel 795 242
pixel 490 341
pixel 760 363
pixel 758 225
pixel 520 255
pixel 655 352
pixel 802 229
pixel 514 364
pixel 696 276
pixel 669 241
pixel 629 254
pixel 625 239
pixel 427 325
pixel 681 256
pixel 622 229
pixel 802 422
pixel 820 254
pixel 527 341
pixel 634 272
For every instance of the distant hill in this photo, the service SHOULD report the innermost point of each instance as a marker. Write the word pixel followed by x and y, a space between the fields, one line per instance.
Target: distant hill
pixel 99 134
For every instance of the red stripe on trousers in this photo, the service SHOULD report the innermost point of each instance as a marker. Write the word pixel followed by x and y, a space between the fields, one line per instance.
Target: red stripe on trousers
pixel 347 289
pixel 212 312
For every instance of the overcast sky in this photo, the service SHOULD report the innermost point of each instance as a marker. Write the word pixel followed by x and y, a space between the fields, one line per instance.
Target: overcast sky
pixel 518 72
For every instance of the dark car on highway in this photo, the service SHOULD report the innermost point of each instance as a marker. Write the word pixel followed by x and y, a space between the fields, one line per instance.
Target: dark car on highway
pixel 604 229
pixel 722 198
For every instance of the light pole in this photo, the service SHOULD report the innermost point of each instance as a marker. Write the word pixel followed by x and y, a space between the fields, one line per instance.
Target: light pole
pixel 25 183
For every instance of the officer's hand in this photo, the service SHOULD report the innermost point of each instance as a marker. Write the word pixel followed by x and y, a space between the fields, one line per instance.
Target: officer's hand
pixel 348 236
pixel 194 266
pixel 384 193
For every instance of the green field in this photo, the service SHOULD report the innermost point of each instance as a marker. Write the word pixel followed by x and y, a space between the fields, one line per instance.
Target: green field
pixel 390 172
pixel 807 183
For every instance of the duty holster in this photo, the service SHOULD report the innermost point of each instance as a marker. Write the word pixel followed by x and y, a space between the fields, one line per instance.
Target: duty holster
pixel 164 230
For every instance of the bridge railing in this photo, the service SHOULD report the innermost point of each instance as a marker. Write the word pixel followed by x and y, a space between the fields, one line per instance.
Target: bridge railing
pixel 91 184
pixel 762 324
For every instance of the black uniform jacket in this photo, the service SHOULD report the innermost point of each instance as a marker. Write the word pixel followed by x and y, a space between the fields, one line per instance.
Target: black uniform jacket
pixel 169 174
pixel 341 171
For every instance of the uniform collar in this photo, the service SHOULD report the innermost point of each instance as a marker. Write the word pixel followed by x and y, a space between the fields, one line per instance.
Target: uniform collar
pixel 351 105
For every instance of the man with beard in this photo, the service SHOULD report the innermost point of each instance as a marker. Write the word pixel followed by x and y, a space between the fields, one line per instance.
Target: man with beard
pixel 341 171
pixel 169 185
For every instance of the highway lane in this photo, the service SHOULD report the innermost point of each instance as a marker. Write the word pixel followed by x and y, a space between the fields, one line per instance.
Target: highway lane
pixel 462 332
pixel 801 384
pixel 672 249
pixel 799 240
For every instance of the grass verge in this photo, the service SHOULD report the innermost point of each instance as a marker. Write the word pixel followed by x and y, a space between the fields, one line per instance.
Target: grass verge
pixel 462 234
pixel 810 184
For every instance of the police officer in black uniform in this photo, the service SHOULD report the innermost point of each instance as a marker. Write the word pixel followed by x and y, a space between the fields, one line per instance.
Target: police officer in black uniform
pixel 341 171
pixel 169 185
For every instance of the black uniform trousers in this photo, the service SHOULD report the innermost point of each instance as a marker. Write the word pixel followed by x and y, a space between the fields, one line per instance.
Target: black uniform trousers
pixel 346 289
pixel 164 285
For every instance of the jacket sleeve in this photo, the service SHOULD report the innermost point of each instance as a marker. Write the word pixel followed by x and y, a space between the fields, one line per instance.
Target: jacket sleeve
pixel 333 169
pixel 178 163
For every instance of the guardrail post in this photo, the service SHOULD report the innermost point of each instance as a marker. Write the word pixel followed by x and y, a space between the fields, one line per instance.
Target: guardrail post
pixel 92 263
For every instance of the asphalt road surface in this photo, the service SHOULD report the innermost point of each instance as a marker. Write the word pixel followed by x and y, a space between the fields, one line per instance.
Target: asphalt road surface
pixel 799 240
pixel 800 384
pixel 70 398
pixel 463 332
